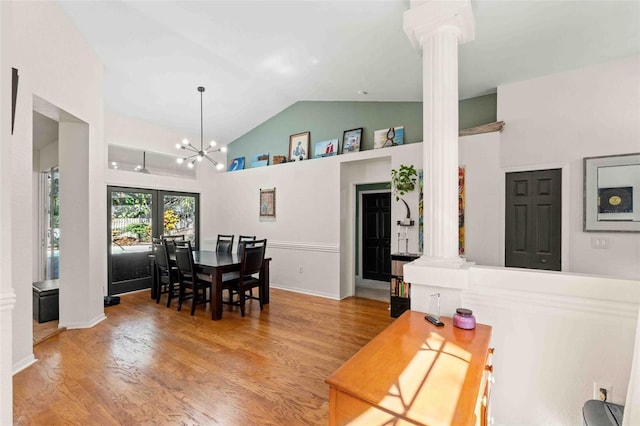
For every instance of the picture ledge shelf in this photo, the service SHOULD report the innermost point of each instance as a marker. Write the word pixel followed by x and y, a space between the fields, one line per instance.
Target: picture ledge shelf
pixel 485 128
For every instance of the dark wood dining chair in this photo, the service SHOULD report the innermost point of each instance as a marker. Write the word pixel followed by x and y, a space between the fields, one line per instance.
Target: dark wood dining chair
pixel 224 244
pixel 169 241
pixel 251 275
pixel 167 275
pixel 242 239
pixel 193 285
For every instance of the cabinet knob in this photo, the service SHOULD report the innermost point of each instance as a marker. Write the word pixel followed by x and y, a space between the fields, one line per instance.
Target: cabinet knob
pixel 489 368
pixel 492 350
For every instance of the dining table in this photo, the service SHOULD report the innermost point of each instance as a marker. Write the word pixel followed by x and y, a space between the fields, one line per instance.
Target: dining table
pixel 216 264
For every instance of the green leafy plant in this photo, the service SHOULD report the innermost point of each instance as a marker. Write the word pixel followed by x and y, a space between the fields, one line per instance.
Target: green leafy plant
pixel 403 180
pixel 138 228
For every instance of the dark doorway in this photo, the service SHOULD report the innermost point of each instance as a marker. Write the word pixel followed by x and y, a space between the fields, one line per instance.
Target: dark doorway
pixel 135 217
pixel 533 219
pixel 376 236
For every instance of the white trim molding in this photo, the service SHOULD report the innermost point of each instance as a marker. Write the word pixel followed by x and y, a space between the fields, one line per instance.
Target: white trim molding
pixel 24 363
pixel 289 245
pixel 7 300
pixel 77 325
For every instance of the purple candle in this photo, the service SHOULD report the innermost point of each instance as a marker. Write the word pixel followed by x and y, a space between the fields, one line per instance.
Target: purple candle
pixel 464 319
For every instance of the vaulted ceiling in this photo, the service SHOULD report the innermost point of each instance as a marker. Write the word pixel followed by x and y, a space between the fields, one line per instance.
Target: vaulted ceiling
pixel 256 58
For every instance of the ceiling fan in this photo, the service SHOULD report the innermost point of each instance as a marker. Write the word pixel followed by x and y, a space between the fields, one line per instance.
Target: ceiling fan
pixel 143 169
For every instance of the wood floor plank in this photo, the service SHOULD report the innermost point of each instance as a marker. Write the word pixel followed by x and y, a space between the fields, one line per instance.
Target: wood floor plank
pixel 148 364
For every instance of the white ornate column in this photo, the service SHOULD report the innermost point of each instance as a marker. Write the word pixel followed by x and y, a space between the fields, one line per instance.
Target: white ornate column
pixel 7 295
pixel 436 28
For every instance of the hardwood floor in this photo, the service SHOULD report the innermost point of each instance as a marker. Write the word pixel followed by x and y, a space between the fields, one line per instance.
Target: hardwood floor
pixel 148 364
pixel 43 331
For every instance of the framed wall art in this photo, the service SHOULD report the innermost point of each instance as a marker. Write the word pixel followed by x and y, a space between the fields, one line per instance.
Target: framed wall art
pixel 351 140
pixel 268 203
pixel 299 146
pixel 326 148
pixel 279 159
pixel 612 193
pixel 260 160
pixel 236 164
pixel 388 137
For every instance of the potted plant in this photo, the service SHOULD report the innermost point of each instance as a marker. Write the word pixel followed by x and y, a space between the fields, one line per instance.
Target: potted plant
pixel 403 180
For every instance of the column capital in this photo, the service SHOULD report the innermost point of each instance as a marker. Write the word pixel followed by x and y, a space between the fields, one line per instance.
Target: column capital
pixel 426 17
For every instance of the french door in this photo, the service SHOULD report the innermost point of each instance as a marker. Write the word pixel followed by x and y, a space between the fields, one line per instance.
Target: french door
pixel 135 217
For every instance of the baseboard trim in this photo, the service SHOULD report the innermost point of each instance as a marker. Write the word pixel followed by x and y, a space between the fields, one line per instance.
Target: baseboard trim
pixel 77 325
pixel 304 291
pixel 24 363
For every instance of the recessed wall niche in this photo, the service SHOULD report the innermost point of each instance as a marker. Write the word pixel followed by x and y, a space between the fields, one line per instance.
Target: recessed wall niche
pixel 128 159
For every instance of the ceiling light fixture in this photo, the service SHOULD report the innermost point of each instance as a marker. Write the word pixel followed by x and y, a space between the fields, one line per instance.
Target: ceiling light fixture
pixel 201 153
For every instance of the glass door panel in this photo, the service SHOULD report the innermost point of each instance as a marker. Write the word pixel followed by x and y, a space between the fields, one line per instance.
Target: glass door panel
pixel 180 215
pixel 131 230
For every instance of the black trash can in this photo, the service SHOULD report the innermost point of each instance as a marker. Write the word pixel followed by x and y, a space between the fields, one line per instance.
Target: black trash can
pixel 601 413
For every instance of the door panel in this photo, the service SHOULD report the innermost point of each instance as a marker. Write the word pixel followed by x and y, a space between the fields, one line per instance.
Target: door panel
pixel 180 213
pixel 131 229
pixel 533 219
pixel 376 236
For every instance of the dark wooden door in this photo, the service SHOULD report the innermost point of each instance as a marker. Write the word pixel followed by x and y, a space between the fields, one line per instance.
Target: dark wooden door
pixel 533 219
pixel 376 236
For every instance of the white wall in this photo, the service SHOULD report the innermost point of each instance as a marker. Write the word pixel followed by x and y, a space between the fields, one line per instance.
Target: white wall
pixel 484 198
pixel 314 213
pixel 56 65
pixel 562 118
pixel 7 293
pixel 304 233
pixel 134 133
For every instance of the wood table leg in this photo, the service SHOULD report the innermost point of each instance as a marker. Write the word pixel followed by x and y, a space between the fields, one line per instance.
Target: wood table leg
pixel 216 295
pixel 265 283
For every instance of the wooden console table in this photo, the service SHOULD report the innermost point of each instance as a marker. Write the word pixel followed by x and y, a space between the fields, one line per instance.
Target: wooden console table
pixel 416 373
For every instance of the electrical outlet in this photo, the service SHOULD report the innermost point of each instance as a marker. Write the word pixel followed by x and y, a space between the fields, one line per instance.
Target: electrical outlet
pixel 602 392
pixel 599 243
pixel 300 270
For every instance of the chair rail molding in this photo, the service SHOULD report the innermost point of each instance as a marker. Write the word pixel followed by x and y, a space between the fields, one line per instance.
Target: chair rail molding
pixel 7 300
pixel 290 245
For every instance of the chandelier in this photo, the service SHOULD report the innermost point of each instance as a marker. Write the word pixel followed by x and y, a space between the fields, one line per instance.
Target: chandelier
pixel 202 153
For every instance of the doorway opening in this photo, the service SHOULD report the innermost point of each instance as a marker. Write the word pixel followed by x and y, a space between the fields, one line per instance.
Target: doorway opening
pixel 373 236
pixel 135 216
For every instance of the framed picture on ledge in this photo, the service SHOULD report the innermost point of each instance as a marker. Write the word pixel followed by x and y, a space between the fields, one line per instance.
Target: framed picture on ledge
pixel 388 137
pixel 299 146
pixel 351 140
pixel 326 148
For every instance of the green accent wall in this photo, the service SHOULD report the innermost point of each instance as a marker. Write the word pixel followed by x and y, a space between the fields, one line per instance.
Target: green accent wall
pixel 476 111
pixel 328 120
